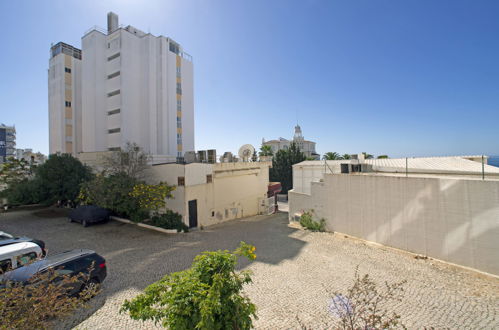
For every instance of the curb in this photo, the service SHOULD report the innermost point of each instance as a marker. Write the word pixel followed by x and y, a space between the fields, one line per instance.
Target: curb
pixel 143 225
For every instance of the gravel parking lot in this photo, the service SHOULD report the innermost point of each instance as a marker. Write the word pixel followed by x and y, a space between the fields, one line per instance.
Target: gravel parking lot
pixel 294 273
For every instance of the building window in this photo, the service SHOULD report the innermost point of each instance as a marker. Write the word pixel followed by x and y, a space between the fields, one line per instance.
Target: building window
pixel 179 140
pixel 112 57
pixel 113 93
pixel 174 48
pixel 114 130
pixel 112 75
pixel 181 181
pixel 113 112
pixel 179 88
pixel 179 105
pixel 209 178
pixel 179 136
pixel 68 70
pixel 68 104
pixel 178 71
pixel 179 124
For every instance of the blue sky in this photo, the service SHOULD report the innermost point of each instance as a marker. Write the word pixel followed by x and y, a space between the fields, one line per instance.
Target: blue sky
pixel 403 78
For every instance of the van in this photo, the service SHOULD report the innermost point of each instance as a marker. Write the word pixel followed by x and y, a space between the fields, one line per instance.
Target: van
pixel 16 255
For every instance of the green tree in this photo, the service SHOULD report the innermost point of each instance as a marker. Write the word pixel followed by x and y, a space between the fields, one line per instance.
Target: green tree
pixel 367 156
pixel 383 157
pixel 331 156
pixel 266 150
pixel 111 192
pixel 206 296
pixel 346 156
pixel 282 170
pixel 60 178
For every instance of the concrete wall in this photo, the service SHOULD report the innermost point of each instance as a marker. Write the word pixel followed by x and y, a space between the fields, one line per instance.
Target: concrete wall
pixel 454 220
pixel 235 192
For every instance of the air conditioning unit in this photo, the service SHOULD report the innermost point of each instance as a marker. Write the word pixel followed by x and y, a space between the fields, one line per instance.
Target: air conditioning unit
pixel 202 157
pixel 212 156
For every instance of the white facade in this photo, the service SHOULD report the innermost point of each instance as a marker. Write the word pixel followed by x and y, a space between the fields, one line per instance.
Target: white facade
pixel 305 146
pixel 64 91
pixel 442 208
pixel 136 88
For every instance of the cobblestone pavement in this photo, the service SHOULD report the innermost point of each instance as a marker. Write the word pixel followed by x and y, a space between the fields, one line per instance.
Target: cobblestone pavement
pixel 293 273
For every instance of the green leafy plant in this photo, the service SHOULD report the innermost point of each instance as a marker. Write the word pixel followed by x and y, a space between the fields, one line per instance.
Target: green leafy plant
pixel 113 193
pixel 170 220
pixel 206 296
pixel 152 196
pixel 307 221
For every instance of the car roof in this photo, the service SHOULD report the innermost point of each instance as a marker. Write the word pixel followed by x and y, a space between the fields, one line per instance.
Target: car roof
pixel 24 273
pixel 6 235
pixel 15 247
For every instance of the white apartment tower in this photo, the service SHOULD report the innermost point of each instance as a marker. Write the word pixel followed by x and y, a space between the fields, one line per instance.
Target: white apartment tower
pixel 64 88
pixel 135 87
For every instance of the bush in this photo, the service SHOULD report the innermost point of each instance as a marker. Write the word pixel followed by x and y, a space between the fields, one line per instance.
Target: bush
pixel 170 220
pixel 61 177
pixel 23 192
pixel 307 221
pixel 39 302
pixel 113 193
pixel 363 305
pixel 206 296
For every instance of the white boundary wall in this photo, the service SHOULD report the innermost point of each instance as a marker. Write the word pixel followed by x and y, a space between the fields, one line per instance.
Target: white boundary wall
pixel 454 220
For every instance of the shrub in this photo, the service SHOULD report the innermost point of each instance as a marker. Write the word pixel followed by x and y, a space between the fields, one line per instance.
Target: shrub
pixel 206 296
pixel 113 193
pixel 307 221
pixel 170 220
pixel 362 306
pixel 23 192
pixel 152 196
pixel 60 178
pixel 39 302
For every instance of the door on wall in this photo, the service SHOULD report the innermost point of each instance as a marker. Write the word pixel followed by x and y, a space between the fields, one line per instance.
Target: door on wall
pixel 193 213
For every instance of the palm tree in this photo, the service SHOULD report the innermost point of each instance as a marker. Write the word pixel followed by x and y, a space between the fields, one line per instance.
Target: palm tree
pixel 346 156
pixel 331 156
pixel 266 150
pixel 383 157
pixel 367 156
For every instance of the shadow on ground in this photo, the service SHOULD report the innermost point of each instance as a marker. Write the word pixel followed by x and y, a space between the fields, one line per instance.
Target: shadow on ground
pixel 137 257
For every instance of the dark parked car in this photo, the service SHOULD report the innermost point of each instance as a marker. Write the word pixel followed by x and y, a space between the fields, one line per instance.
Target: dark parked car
pixel 87 214
pixel 82 261
pixel 7 239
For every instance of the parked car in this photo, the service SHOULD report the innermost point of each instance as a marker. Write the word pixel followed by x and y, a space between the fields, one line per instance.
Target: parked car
pixel 7 239
pixel 81 261
pixel 16 255
pixel 88 214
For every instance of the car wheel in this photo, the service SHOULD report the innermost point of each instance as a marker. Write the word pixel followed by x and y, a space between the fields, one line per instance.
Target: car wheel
pixel 84 223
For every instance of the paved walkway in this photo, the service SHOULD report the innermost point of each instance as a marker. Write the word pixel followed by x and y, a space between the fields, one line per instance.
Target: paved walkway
pixel 293 273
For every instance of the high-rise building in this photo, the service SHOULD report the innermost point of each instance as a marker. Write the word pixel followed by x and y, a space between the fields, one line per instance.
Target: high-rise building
pixel 7 142
pixel 64 99
pixel 135 87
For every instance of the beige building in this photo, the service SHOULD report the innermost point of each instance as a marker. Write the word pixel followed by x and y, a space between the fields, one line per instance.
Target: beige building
pixel 442 208
pixel 208 194
pixel 64 95
pixel 307 147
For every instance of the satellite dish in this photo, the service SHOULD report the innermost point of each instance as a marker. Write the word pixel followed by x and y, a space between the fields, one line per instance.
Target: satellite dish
pixel 245 152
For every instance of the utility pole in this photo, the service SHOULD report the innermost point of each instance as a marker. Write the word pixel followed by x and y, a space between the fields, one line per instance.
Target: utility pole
pixel 483 168
pixel 406 169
